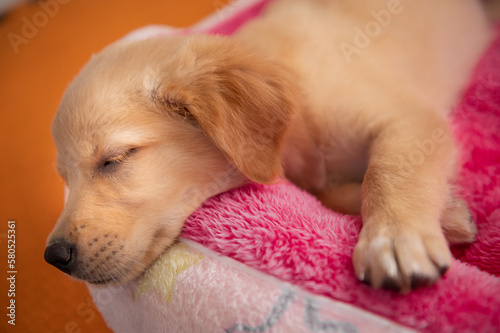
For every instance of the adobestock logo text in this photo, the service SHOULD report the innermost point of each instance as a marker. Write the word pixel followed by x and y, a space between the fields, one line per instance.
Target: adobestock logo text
pixel 373 28
pixel 31 26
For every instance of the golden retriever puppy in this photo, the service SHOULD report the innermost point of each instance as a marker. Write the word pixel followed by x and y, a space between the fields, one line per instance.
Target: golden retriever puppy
pixel 348 99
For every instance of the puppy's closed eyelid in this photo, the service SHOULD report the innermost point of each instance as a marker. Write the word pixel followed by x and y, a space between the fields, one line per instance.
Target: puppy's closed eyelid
pixel 115 159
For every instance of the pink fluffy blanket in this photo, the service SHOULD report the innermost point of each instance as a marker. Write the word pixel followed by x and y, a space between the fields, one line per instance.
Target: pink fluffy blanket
pixel 286 233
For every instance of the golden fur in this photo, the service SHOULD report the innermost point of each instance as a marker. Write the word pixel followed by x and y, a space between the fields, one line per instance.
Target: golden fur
pixel 312 90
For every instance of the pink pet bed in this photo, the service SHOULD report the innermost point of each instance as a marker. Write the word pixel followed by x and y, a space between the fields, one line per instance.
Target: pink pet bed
pixel 291 265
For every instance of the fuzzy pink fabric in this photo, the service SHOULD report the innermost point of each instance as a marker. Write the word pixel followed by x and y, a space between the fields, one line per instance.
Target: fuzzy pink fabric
pixel 285 232
pixel 477 128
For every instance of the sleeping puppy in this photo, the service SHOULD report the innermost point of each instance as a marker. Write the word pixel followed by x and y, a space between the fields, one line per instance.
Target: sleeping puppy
pixel 347 99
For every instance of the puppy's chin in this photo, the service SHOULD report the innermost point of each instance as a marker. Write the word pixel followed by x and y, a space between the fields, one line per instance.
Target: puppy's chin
pixel 128 267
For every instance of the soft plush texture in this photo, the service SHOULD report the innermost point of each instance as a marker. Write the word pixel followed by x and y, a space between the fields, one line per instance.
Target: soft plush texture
pixel 476 122
pixel 286 233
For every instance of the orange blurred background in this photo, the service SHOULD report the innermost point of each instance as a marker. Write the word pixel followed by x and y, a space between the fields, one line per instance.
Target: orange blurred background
pixel 42 47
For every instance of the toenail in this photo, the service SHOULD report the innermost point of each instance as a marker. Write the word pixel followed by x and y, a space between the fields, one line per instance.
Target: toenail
pixel 390 284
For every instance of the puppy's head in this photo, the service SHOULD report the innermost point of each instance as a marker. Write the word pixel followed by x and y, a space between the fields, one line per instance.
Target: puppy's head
pixel 149 130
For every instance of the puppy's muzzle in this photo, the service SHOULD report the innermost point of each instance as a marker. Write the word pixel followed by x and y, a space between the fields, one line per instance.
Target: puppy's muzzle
pixel 62 255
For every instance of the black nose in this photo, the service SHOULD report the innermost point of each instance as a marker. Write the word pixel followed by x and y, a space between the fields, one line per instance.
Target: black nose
pixel 61 254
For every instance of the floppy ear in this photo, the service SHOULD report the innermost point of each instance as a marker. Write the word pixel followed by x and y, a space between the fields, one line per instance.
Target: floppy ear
pixel 243 103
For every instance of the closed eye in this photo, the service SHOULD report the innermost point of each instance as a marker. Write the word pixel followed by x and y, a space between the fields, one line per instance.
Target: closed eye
pixel 117 159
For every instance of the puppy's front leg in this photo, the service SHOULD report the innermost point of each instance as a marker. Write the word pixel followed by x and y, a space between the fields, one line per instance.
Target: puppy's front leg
pixel 401 245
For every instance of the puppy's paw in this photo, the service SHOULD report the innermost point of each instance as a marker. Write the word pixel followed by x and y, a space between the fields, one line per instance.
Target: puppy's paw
pixel 400 258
